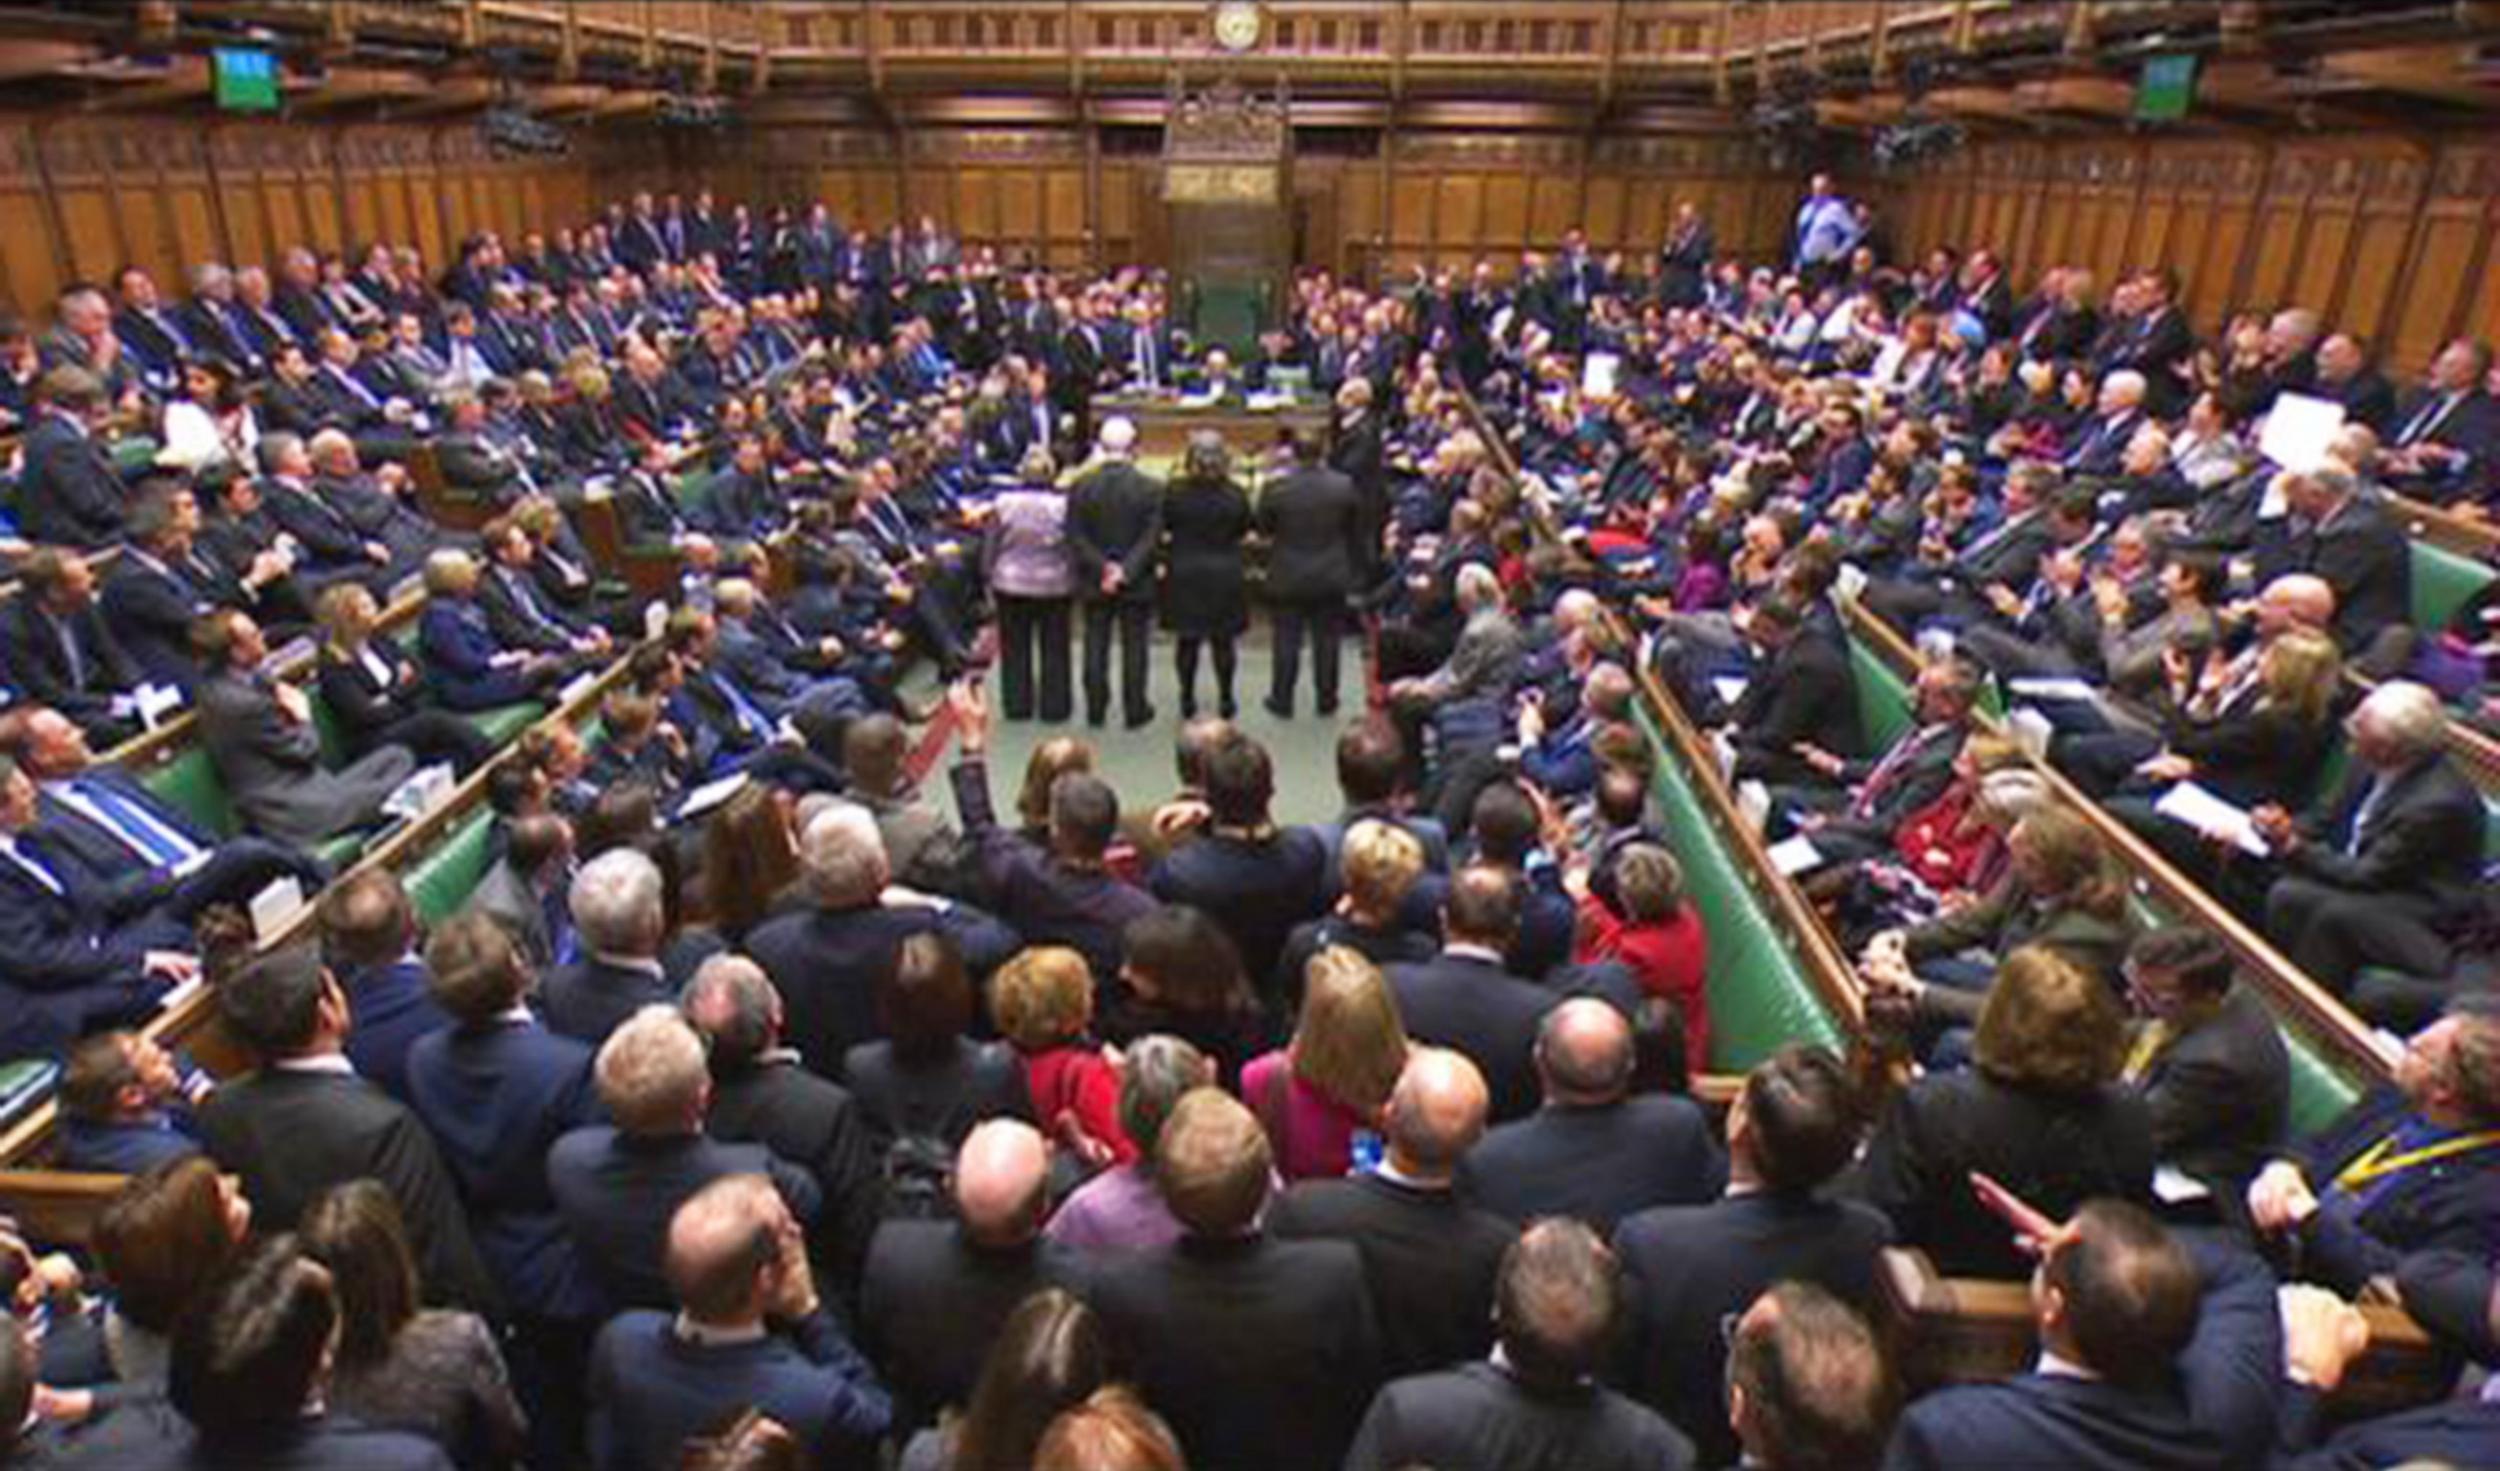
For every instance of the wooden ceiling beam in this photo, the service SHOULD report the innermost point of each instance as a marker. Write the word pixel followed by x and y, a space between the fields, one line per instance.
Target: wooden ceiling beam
pixel 2447 73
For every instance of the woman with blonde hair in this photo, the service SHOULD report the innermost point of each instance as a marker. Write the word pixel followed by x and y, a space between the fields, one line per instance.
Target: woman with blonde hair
pixel 377 695
pixel 1043 1003
pixel 1032 575
pixel 2040 1112
pixel 1332 1079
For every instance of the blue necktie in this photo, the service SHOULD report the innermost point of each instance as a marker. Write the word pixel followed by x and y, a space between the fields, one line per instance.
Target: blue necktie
pixel 135 828
pixel 749 713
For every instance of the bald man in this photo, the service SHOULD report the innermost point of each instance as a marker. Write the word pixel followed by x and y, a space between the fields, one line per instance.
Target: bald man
pixel 751 1332
pixel 1594 1151
pixel 1429 1256
pixel 936 1292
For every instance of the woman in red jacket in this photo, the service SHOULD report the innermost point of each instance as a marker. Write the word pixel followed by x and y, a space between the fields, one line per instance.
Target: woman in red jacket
pixel 1655 933
pixel 1043 1002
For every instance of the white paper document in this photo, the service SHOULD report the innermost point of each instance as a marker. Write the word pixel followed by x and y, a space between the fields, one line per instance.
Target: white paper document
pixel 274 905
pixel 2299 429
pixel 1730 687
pixel 710 795
pixel 1796 855
pixel 2053 687
pixel 2193 806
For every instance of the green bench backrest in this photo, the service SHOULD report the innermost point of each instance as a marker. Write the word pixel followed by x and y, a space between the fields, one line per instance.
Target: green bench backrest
pixel 2442 581
pixel 190 782
pixel 443 879
pixel 1883 697
pixel 1760 997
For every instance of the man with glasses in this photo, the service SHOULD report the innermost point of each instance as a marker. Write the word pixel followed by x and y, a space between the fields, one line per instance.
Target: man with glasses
pixel 2209 1061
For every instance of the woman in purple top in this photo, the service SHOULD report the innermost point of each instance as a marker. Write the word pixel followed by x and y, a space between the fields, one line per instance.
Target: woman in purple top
pixel 1331 1081
pixel 1025 557
pixel 1122 1208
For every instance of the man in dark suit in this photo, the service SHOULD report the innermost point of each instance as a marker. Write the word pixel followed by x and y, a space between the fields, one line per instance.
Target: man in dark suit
pixel 369 937
pixel 825 958
pixel 1311 518
pixel 617 908
pixel 1059 895
pixel 2450 1293
pixel 1956 585
pixel 58 652
pixel 141 856
pixel 2446 443
pixel 259 732
pixel 1356 451
pixel 762 1095
pixel 1594 1150
pixel 2388 868
pixel 1802 693
pixel 164 581
pixel 936 1292
pixel 2150 1358
pixel 1468 999
pixel 618 1186
pixel 69 493
pixel 65 968
pixel 1852 813
pixel 2209 1061
pixel 1806 1382
pixel 2409 1168
pixel 126 1105
pixel 1538 1403
pixel 1791 1129
pixel 2346 376
pixel 751 1333
pixel 2117 414
pixel 1115 528
pixel 1256 879
pixel 304 1122
pixel 2156 343
pixel 1260 1352
pixel 1429 1256
pixel 2349 539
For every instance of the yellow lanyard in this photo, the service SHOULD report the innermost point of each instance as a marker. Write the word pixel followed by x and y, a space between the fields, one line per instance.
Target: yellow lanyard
pixel 2375 1163
pixel 2148 1045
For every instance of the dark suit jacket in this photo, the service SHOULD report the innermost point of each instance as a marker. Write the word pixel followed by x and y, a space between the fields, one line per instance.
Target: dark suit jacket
pixel 497 1097
pixel 2220 1412
pixel 272 766
pixel 325 1443
pixel 590 998
pixel 1429 1260
pixel 329 539
pixel 99 864
pixel 1688 1266
pixel 2362 553
pixel 2424 839
pixel 149 609
pixel 1311 520
pixel 1481 1416
pixel 2453 1202
pixel 64 969
pixel 459 652
pixel 392 1009
pixel 37 660
pixel 1258 891
pixel 1260 1353
pixel 125 1148
pixel 292 1135
pixel 933 1301
pixel 2221 1095
pixel 813 1124
pixel 1482 1010
pixel 364 707
pixel 1807 693
pixel 2453 1432
pixel 1599 1164
pixel 2053 1151
pixel 825 963
pixel 518 616
pixel 1045 901
pixel 1115 516
pixel 69 494
pixel 651 1390
pixel 617 1192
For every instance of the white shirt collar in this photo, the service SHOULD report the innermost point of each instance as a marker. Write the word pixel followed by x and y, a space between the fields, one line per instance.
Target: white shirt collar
pixel 703 1335
pixel 1463 950
pixel 642 963
pixel 2061 1368
pixel 326 1062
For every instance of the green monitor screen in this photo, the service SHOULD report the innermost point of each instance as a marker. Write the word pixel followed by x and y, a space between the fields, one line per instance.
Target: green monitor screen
pixel 247 80
pixel 2166 87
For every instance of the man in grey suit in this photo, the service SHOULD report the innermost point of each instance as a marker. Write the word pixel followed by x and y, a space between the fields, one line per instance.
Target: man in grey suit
pixel 1115 528
pixel 259 732
pixel 1310 518
pixel 1490 646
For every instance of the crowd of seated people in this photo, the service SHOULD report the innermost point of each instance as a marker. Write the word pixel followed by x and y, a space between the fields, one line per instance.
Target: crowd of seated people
pixel 838 1119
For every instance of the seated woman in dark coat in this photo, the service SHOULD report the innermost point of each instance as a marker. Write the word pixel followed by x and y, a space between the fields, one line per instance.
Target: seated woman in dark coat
pixel 378 696
pixel 461 657
pixel 2041 1113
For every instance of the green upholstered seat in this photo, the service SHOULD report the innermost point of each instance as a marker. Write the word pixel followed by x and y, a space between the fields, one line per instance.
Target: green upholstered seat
pixel 442 880
pixel 191 783
pixel 1760 995
pixel 2442 582
pixel 1883 697
pixel 339 852
pixel 503 724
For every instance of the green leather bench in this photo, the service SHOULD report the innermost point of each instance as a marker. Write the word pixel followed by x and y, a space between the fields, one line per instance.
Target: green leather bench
pixel 2442 581
pixel 443 879
pixel 2320 1090
pixel 1760 995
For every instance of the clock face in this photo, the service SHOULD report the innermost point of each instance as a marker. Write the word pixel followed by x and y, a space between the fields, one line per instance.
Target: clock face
pixel 1237 25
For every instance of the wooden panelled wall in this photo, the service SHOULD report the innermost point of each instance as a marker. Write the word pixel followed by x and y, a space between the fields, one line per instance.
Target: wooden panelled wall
pixel 2390 237
pixel 79 198
pixel 1421 198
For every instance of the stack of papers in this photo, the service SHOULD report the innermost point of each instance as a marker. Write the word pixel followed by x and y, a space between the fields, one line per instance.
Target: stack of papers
pixel 2192 806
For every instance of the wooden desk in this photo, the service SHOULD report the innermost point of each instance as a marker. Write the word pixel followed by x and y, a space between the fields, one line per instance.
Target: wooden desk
pixel 1164 424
